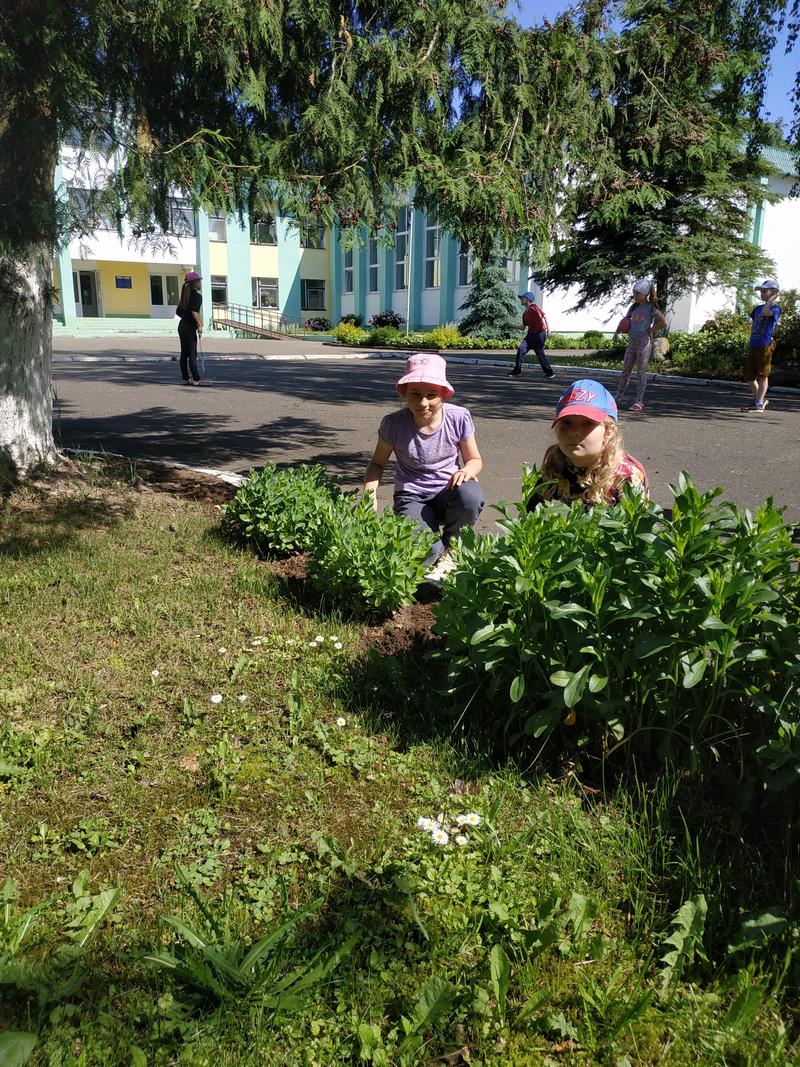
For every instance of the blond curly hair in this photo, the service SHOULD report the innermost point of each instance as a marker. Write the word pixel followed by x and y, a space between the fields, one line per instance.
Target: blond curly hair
pixel 597 480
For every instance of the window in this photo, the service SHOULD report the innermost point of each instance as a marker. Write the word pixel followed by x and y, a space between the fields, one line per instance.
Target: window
pixel 401 243
pixel 265 292
pixel 511 267
pixel 181 217
pixel 217 228
pixel 466 265
pixel 348 272
pixel 219 289
pixel 312 294
pixel 263 232
pixel 432 242
pixel 312 236
pixel 88 209
pixel 372 278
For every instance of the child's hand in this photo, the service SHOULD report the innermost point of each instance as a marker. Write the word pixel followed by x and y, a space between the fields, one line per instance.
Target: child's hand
pixel 460 477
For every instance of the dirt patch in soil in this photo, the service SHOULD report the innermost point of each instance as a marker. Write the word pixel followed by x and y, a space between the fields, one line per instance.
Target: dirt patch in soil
pixel 187 484
pixel 410 628
pixel 294 567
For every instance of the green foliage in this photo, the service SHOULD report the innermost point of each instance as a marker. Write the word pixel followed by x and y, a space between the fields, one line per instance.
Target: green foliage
pixel 216 966
pixel 383 335
pixel 592 617
pixel 281 511
pixel 493 310
pixel 716 353
pixel 686 940
pixel 61 973
pixel 348 333
pixel 372 562
pixel 445 336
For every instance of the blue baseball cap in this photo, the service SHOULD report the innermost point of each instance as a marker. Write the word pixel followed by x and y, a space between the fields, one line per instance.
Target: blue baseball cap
pixel 529 295
pixel 588 398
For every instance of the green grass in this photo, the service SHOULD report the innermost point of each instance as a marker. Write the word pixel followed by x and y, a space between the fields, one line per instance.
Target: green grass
pixel 537 942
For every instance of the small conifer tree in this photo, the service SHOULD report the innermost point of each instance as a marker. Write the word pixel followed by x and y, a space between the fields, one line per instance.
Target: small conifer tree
pixel 492 308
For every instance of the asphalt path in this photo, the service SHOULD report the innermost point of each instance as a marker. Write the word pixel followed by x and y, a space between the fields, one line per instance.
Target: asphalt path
pixel 327 410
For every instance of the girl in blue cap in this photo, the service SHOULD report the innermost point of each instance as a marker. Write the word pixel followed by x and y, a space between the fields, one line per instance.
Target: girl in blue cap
pixel 588 462
pixel 536 324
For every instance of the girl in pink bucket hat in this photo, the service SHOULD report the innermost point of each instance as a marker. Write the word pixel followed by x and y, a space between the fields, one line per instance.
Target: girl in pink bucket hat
pixel 437 461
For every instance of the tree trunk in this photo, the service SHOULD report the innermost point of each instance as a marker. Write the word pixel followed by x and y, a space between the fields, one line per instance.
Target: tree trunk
pixel 26 347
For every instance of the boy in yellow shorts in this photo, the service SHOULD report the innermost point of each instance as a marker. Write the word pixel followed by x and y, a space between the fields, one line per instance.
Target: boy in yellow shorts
pixel 758 358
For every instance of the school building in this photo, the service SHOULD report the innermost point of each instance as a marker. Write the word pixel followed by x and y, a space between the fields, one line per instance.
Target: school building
pixel 111 283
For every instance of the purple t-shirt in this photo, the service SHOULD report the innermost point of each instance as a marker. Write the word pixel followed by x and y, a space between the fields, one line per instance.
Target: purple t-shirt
pixel 426 461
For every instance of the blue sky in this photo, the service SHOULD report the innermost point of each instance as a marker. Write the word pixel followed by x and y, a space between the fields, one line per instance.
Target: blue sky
pixel 781 78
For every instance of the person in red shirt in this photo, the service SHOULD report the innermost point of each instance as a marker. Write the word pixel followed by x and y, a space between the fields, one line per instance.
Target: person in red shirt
pixel 536 325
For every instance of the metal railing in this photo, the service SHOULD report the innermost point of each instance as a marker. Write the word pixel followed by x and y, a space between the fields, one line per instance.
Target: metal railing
pixel 243 317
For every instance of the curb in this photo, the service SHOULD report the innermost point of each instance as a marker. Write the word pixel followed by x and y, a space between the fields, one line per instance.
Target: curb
pixel 231 477
pixel 652 376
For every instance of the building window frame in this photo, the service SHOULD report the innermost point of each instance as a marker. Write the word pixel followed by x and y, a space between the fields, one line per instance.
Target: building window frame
pixel 466 266
pixel 312 294
pixel 348 272
pixel 312 236
pixel 217 228
pixel 263 232
pixel 219 289
pixel 401 249
pixel 433 242
pixel 263 290
pixel 372 265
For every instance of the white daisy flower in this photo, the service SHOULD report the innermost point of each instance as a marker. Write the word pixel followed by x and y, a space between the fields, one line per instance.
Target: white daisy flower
pixel 216 698
pixel 470 819
pixel 341 722
pixel 319 640
pixel 243 697
pixel 256 642
pixel 289 641
pixel 439 836
pixel 155 674
pixel 338 646
pixel 222 650
pixel 460 839
pixel 426 824
pixel 333 639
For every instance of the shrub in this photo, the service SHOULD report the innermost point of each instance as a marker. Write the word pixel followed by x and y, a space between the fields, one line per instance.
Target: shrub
pixel 592 339
pixel 372 563
pixel 446 336
pixel 492 309
pixel 354 320
pixel 558 340
pixel 348 334
pixel 383 335
pixel 317 324
pixel 671 640
pixel 714 353
pixel 281 511
pixel 387 318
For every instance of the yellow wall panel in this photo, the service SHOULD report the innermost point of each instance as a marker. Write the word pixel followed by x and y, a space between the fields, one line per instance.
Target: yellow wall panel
pixel 133 301
pixel 218 257
pixel 264 261
pixel 314 263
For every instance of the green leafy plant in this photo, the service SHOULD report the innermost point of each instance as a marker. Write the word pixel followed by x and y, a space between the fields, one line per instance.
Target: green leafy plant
pixel 222 763
pixel 446 336
pixel 685 940
pixel 281 511
pixel 372 562
pixel 217 966
pixel 667 639
pixel 61 972
pixel 348 333
pixel 382 335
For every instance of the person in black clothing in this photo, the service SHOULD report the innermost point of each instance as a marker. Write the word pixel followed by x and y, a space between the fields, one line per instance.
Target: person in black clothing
pixel 190 327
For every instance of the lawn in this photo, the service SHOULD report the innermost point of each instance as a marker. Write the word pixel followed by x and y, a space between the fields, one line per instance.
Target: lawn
pixel 210 795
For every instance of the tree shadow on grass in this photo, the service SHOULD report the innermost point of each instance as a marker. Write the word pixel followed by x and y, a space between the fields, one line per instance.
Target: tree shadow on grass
pixel 48 523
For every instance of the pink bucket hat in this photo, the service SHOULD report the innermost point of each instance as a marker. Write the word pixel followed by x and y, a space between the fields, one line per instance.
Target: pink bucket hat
pixel 426 367
pixel 192 276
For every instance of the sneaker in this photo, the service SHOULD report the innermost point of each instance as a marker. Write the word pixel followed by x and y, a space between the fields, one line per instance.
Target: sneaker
pixel 755 406
pixel 514 373
pixel 443 566
pixel 637 407
pixel 552 374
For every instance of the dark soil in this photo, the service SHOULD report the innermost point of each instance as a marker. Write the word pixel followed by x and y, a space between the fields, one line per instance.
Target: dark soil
pixel 410 628
pixel 187 484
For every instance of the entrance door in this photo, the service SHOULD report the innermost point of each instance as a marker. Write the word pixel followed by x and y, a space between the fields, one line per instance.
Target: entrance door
pixel 87 287
pixel 164 292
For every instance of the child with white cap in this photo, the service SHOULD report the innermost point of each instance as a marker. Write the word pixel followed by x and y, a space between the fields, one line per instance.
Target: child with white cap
pixel 644 321
pixel 437 459
pixel 758 358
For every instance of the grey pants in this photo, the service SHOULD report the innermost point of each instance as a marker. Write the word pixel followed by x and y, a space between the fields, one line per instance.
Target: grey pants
pixel 451 509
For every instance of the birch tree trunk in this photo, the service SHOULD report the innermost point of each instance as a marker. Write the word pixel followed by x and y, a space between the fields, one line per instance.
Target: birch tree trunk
pixel 26 346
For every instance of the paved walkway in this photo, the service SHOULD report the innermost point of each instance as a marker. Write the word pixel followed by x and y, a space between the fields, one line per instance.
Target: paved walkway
pixel 327 411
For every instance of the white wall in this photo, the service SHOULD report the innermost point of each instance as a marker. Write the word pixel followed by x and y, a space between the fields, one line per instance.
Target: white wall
pixel 429 307
pixel 780 234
